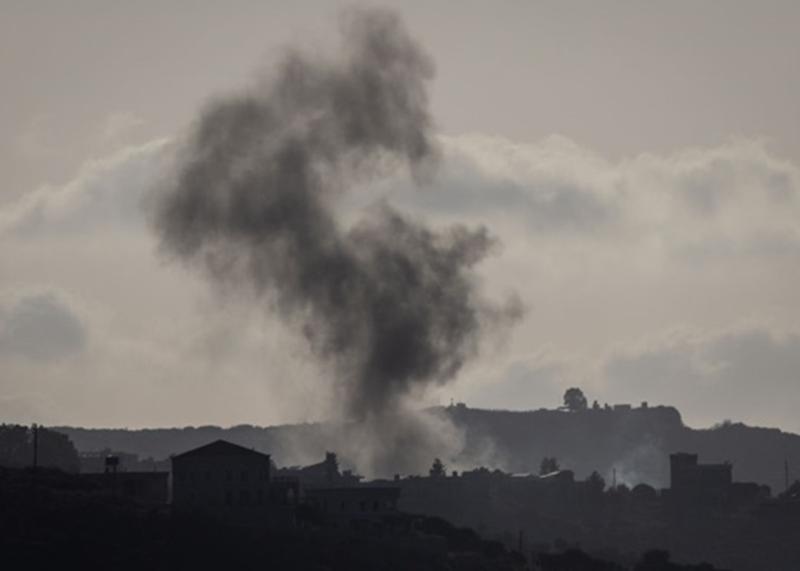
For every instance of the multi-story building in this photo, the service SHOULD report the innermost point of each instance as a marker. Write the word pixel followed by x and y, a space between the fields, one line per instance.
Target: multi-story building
pixel 225 479
pixel 691 480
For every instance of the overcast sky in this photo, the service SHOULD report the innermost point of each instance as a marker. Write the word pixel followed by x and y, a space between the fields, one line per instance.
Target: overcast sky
pixel 639 162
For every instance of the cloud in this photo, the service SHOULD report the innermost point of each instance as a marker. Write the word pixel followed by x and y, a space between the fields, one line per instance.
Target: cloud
pixel 40 327
pixel 604 253
pixel 747 374
pixel 736 197
pixel 118 125
pixel 106 193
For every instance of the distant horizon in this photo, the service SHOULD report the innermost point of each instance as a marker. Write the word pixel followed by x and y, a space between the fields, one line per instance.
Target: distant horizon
pixel 634 406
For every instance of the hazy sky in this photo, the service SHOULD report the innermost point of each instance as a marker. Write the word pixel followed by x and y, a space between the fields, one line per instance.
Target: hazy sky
pixel 639 161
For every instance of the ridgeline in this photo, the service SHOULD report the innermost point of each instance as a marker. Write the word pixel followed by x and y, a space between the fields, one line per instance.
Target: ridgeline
pixel 626 443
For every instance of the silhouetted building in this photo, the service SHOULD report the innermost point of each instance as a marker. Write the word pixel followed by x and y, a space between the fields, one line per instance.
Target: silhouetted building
pixel 749 492
pixel 354 506
pixel 689 479
pixel 644 493
pixel 324 474
pixel 95 462
pixel 222 478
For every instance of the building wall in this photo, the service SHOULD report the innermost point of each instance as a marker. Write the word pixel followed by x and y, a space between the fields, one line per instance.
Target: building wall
pixel 689 478
pixel 343 506
pixel 682 470
pixel 223 484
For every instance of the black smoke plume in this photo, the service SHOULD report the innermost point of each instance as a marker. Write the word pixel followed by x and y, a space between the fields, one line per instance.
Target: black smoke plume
pixel 389 304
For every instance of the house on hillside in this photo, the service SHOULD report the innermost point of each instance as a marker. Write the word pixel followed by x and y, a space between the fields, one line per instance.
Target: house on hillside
pixel 226 480
pixel 691 480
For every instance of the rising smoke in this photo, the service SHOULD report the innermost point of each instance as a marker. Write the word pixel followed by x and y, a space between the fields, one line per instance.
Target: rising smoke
pixel 389 305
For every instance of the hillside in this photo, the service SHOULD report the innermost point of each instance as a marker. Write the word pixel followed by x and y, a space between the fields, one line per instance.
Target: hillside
pixel 635 442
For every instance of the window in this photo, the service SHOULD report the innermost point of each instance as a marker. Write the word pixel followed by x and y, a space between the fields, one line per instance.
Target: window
pixel 376 505
pixel 363 506
pixel 244 498
pixel 244 475
pixel 228 498
pixel 208 475
pixel 229 475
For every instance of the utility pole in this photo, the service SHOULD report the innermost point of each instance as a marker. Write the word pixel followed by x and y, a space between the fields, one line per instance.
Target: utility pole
pixel 35 431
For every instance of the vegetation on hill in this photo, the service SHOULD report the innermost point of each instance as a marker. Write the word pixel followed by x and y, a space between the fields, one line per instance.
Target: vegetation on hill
pixel 633 442
pixel 53 449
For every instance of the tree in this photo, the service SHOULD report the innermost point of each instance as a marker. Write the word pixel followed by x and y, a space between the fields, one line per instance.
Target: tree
pixel 575 400
pixel 548 466
pixel 438 469
pixel 56 450
pixel 595 483
pixel 15 446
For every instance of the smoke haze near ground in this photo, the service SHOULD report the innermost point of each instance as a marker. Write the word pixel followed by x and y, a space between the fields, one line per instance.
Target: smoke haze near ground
pixel 388 305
